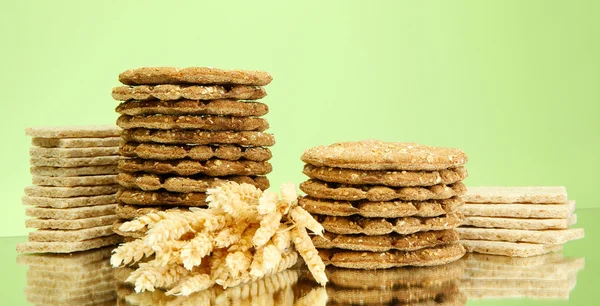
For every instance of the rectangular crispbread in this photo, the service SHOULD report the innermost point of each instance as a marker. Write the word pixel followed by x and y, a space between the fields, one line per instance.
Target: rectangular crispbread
pixel 516 223
pixel 539 195
pixel 71 213
pixel 512 249
pixel 69 202
pixel 76 142
pixel 68 192
pixel 72 181
pixel 74 171
pixel 73 152
pixel 542 211
pixel 66 260
pixel 74 161
pixel 70 224
pixel 514 235
pixel 70 235
pixel 81 131
pixel 67 247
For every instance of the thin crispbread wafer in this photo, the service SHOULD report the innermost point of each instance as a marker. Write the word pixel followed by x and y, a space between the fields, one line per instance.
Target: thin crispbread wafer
pixel 75 142
pixel 146 181
pixel 74 171
pixel 193 92
pixel 513 249
pixel 199 137
pixel 168 152
pixel 542 211
pixel 516 223
pixel 72 152
pixel 384 243
pixel 135 234
pixel 193 75
pixel 69 202
pixel 514 235
pixel 222 107
pixel 129 212
pixel 213 167
pixel 82 131
pixel 375 260
pixel 380 155
pixel 70 224
pixel 74 161
pixel 67 192
pixel 161 198
pixel 72 181
pixel 67 247
pixel 386 296
pixel 71 213
pixel 340 192
pixel 70 235
pixel 386 178
pixel 76 259
pixel 395 209
pixel 206 122
pixel 533 195
pixel 380 226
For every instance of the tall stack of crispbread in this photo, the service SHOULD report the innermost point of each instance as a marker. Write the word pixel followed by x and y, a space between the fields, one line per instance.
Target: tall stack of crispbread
pixel 72 202
pixel 385 204
pixel 517 221
pixel 187 130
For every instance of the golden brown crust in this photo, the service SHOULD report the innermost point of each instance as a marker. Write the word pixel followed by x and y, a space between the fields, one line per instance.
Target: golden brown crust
pixel 130 212
pixel 213 167
pixel 222 107
pixel 168 152
pixel 150 182
pixel 207 123
pixel 193 75
pixel 253 139
pixel 382 243
pixel 193 92
pixel 161 198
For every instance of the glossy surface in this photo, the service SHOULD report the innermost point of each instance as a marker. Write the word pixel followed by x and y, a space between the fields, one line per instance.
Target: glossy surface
pixel 567 278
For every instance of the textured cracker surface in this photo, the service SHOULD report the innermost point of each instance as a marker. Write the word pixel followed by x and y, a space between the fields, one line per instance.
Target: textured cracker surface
pixel 341 192
pixel 544 211
pixel 70 224
pixel 512 249
pixel 129 212
pixel 375 260
pixel 207 123
pixel 194 107
pixel 384 243
pixel 387 178
pixel 75 142
pixel 83 131
pixel 167 152
pixel 508 195
pixel 70 235
pixel 71 181
pixel 64 260
pixel 72 152
pixel 516 223
pixel 380 226
pixel 150 182
pixel 193 75
pixel 246 138
pixel 74 161
pixel 69 202
pixel 380 155
pixel 67 192
pixel 213 167
pixel 71 213
pixel 429 208
pixel 74 171
pixel 514 235
pixel 161 198
pixel 192 92
pixel 67 247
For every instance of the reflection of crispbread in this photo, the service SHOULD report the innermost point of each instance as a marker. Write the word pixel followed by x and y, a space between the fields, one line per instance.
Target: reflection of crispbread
pixel 128 212
pixel 67 247
pixel 395 209
pixel 70 235
pixel 541 195
pixel 74 161
pixel 74 171
pixel 199 137
pixel 516 223
pixel 72 181
pixel 72 152
pixel 557 271
pixel 67 192
pixel 192 92
pixel 384 243
pixel 75 142
pixel 509 248
pixel 70 224
pixel 194 107
pixel 515 293
pixel 69 202
pixel 497 261
pixel 513 235
pixel 207 122
pixel 335 191
pixel 92 131
pixel 378 296
pixel 193 75
pixel 544 211
pixel 166 152
pixel 162 198
pixel 71 213
pixel 561 284
pixel 213 167
pixel 146 181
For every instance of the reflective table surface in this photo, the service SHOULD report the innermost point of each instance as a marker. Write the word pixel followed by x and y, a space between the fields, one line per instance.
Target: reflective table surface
pixel 566 278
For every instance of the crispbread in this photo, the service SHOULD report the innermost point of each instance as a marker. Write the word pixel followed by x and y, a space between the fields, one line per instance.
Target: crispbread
pixel 496 261
pixel 212 167
pixel 192 92
pixel 69 202
pixel 514 293
pixel 75 259
pixel 221 107
pixel 75 142
pixel 206 122
pixel 83 131
pixel 167 152
pixel 542 211
pixel 67 247
pixel 515 235
pixel 199 137
pixel 380 226
pixel 70 224
pixel 193 75
pixel 134 234
pixel 539 195
pixel 67 192
pixel 129 212
pixel 71 293
pixel 71 181
pixel 386 178
pixel 74 161
pixel 395 209
pixel 377 260
pixel 71 213
pixel 72 152
pixel 386 296
pixel 161 198
pixel 513 249
pixel 341 192
pixel 70 235
pixel 147 182
pixel 74 171
pixel 380 155
pixel 516 223
pixel 384 243
pixel 74 276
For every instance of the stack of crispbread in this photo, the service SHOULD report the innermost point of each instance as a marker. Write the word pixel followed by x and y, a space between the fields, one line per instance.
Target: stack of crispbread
pixel 82 278
pixel 72 202
pixel 185 131
pixel 385 204
pixel 517 221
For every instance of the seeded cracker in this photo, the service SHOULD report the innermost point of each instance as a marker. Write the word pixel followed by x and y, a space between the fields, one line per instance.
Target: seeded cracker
pixel 213 167
pixel 196 152
pixel 207 123
pixel 193 75
pixel 168 92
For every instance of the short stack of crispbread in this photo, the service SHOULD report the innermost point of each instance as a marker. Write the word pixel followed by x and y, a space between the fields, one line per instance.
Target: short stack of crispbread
pixel 385 204
pixel 185 131
pixel 517 221
pixel 82 278
pixel 72 202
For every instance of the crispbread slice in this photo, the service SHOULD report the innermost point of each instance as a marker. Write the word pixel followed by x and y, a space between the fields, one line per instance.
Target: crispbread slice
pixel 516 223
pixel 184 167
pixel 71 213
pixel 509 248
pixel 67 192
pixel 74 171
pixel 69 202
pixel 129 212
pixel 70 235
pixel 68 273
pixel 75 142
pixel 514 235
pixel 540 195
pixel 380 226
pixel 195 152
pixel 74 161
pixel 77 259
pixel 82 131
pixel 72 152
pixel 384 243
pixel 60 284
pixel 72 181
pixel 544 211
pixel 67 247
pixel 70 224
pixel 147 181
pixel 162 198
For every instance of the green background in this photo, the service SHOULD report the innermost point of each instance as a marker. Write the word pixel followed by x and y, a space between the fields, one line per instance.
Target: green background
pixel 512 83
